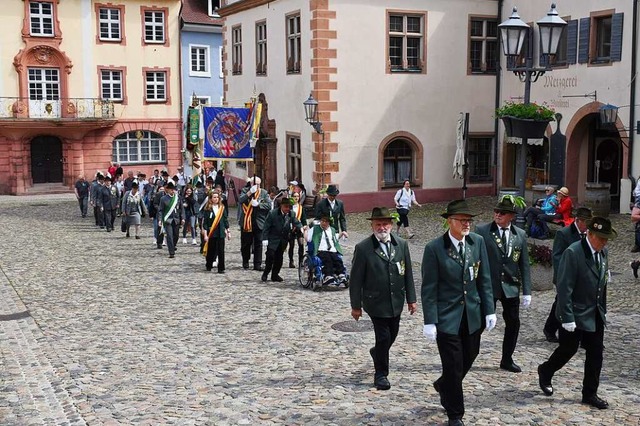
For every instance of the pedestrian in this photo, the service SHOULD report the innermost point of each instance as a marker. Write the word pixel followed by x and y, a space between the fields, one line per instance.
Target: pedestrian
pixel 562 215
pixel 156 215
pixel 133 208
pixel 108 201
pixel 180 180
pixel 190 215
pixel 128 182
pixel 254 208
pixel 172 217
pixel 277 227
pixel 582 309
pixel 547 205
pixel 508 253
pixel 456 294
pixel 335 209
pixel 96 187
pixel 295 237
pixel 404 199
pixel 381 281
pixel 201 198
pixel 325 245
pixel 215 230
pixel 111 171
pixel 635 219
pixel 81 189
pixel 563 239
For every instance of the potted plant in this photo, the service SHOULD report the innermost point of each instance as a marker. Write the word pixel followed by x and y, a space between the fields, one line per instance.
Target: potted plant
pixel 540 265
pixel 525 120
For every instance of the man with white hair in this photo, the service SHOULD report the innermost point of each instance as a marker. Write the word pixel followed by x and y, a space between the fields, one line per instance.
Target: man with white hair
pixel 254 208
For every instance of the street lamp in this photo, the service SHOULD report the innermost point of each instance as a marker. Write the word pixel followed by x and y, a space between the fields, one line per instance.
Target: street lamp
pixel 311 117
pixel 513 33
pixel 608 114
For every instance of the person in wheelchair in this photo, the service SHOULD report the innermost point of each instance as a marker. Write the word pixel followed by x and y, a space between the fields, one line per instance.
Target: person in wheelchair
pixel 325 245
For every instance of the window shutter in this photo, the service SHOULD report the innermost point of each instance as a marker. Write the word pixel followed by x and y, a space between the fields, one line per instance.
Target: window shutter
pixel 583 48
pixel 616 37
pixel 572 41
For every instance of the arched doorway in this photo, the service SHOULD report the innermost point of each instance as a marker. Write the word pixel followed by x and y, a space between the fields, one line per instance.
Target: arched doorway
pixel 46 159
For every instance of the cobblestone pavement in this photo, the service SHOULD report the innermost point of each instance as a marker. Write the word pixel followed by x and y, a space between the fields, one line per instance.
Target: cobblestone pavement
pixel 101 330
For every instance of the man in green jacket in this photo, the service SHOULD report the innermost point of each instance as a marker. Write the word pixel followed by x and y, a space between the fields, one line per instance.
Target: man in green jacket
pixel 456 295
pixel 509 261
pixel 582 309
pixel 275 237
pixel 381 280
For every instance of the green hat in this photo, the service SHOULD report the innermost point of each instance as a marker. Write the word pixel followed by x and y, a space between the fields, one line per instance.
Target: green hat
pixel 380 213
pixel 583 213
pixel 332 190
pixel 458 207
pixel 506 205
pixel 602 228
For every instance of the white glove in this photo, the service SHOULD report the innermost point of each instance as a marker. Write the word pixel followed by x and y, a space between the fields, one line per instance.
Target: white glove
pixel 526 301
pixel 255 203
pixel 253 189
pixel 265 243
pixel 430 332
pixel 491 321
pixel 569 326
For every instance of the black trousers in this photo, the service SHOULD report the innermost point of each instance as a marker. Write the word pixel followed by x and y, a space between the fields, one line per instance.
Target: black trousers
pixel 386 331
pixel 108 218
pixel 293 242
pixel 97 214
pixel 331 263
pixel 552 325
pixel 248 241
pixel 457 353
pixel 511 316
pixel 274 257
pixel 568 346
pixel 172 232
pixel 215 250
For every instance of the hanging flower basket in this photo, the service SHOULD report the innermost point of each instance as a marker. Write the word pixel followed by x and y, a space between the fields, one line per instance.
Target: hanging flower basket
pixel 525 128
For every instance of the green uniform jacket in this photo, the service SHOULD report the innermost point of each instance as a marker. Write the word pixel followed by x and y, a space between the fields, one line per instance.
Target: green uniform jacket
pixel 563 239
pixel 582 288
pixel 508 273
pixel 274 228
pixel 378 284
pixel 223 225
pixel 338 218
pixel 259 212
pixel 451 286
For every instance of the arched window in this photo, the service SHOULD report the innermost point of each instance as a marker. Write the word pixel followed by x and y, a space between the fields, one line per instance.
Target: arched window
pixel 398 162
pixel 140 146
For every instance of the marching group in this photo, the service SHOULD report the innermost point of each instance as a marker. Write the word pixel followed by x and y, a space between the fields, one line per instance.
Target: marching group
pixel 464 274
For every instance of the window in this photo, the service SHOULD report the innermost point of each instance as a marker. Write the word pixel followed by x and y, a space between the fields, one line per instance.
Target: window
pixel 204 100
pixel 200 61
pixel 483 45
pixel 213 7
pixel 156 86
pixel 294 158
pixel 261 48
pixel 111 85
pixel 236 49
pixel 41 19
pixel 479 158
pixel 154 26
pixel 600 38
pixel 406 42
pixel 139 147
pixel 294 44
pixel 602 48
pixel 397 162
pixel 109 24
pixel 44 84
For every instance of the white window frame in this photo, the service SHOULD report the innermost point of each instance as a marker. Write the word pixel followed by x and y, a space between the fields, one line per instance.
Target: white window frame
pixel 206 61
pixel 236 50
pixel 41 18
pixel 204 100
pixel 153 25
pixel 406 35
pixel 112 83
pixel 113 24
pixel 485 39
pixel 294 44
pixel 44 84
pixel 261 47
pixel 212 8
pixel 152 82
pixel 128 145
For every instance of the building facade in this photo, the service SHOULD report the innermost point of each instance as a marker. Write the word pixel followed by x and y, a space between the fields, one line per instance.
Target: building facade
pixel 86 83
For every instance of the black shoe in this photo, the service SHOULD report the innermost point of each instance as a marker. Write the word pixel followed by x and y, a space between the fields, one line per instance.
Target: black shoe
pixel 277 278
pixel 245 266
pixel 635 265
pixel 264 276
pixel 208 268
pixel 635 249
pixel 127 235
pixel 258 268
pixel 455 422
pixel 551 337
pixel 171 256
pixel 221 272
pixel 545 384
pixel 137 237
pixel 381 383
pixel 511 366
pixel 436 386
pixel 159 246
pixel 595 401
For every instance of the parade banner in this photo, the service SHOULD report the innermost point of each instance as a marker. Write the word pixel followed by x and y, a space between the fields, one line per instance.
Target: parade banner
pixel 227 133
pixel 194 126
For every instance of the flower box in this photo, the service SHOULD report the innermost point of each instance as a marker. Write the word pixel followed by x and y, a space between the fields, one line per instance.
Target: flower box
pixel 525 128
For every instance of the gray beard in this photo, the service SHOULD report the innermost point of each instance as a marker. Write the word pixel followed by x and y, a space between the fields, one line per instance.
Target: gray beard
pixel 382 236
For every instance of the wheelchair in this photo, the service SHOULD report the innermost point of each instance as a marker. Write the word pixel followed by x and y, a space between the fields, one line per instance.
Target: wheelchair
pixel 310 272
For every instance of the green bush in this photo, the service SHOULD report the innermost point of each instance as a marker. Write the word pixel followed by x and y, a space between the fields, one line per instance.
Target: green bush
pixel 531 111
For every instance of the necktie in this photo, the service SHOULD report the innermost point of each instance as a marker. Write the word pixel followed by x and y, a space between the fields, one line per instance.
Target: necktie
pixel 503 237
pixel 461 250
pixel 326 240
pixel 582 235
pixel 596 258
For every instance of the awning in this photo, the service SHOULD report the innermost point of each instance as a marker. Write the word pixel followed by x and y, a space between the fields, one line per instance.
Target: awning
pixel 518 141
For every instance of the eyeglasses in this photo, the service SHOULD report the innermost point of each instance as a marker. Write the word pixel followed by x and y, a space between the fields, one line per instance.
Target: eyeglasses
pixel 500 213
pixel 463 221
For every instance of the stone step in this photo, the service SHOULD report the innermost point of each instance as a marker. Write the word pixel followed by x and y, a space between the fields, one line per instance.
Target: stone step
pixel 48 188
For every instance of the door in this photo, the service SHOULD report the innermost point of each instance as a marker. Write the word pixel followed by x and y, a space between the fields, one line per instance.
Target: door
pixel 608 163
pixel 46 159
pixel 44 93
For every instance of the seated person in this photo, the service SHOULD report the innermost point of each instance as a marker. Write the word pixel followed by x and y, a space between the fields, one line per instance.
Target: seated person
pixel 325 245
pixel 546 206
pixel 562 215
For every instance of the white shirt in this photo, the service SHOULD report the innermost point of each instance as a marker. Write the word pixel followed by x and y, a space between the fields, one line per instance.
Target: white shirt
pixel 457 242
pixel 405 198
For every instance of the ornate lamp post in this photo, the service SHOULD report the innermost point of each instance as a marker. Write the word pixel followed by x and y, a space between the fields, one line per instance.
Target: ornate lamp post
pixel 311 117
pixel 513 33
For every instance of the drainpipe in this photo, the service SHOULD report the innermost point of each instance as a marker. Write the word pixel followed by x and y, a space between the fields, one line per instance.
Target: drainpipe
pixel 496 124
pixel 632 92
pixel 183 137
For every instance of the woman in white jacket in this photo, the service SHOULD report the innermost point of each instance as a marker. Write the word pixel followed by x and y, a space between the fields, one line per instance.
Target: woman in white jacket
pixel 404 199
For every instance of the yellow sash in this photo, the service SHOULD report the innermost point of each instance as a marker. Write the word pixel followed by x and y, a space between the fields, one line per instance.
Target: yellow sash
pixel 247 225
pixel 299 212
pixel 214 225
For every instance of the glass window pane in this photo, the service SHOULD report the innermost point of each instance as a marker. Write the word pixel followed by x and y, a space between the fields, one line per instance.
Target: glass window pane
pixel 413 24
pixel 476 28
pixel 395 23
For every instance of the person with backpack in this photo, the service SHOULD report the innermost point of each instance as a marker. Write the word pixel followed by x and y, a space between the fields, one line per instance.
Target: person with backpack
pixel 404 199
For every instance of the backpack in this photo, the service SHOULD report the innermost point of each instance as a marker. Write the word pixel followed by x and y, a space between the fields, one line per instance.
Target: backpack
pixel 536 230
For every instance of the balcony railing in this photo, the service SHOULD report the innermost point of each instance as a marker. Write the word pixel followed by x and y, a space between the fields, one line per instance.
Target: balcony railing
pixel 63 108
